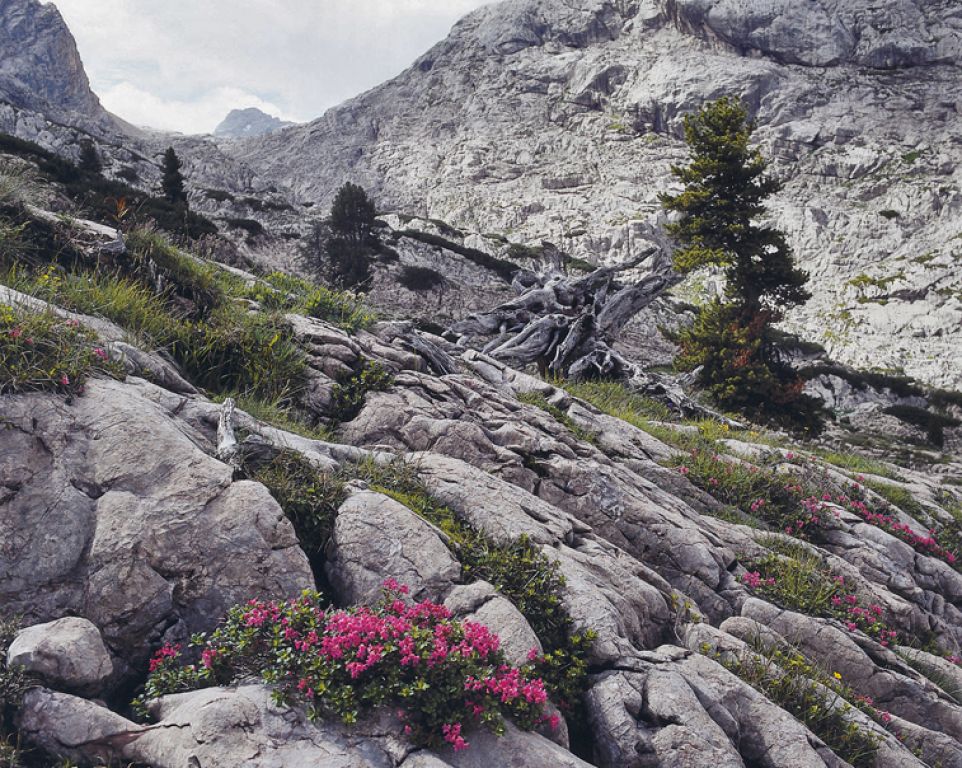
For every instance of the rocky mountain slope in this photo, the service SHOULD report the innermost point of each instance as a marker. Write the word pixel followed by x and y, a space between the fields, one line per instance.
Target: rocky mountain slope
pixel 752 601
pixel 187 446
pixel 41 68
pixel 559 120
pixel 245 123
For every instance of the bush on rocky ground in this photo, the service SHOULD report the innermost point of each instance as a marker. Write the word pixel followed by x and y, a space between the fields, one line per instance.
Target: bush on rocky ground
pixel 13 684
pixel 350 394
pixel 442 676
pixel 283 292
pixel 518 570
pixel 420 278
pixel 790 681
pixel 43 351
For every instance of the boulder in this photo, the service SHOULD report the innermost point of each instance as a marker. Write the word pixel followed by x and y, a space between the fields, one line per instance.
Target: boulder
pixel 67 654
pixel 375 538
pixel 116 512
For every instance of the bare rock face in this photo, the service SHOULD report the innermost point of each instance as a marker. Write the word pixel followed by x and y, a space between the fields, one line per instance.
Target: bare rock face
pixel 40 68
pixel 827 32
pixel 113 512
pixel 156 538
pixel 224 728
pixel 375 534
pixel 247 123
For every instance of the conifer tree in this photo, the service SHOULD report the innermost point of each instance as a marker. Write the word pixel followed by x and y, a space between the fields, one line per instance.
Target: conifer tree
pixel 340 248
pixel 732 342
pixel 172 182
pixel 352 215
pixel 89 158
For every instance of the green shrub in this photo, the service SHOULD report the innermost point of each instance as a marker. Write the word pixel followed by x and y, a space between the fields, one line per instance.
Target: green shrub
pixel 11 242
pixel 442 676
pixel 519 570
pixel 310 500
pixel 252 227
pixel 540 401
pixel 796 686
pixel 933 423
pixel 286 293
pixel 897 496
pixel 420 278
pixel 520 252
pixel 98 196
pixel 27 241
pixel 239 351
pixel 739 369
pixel 162 267
pixel 280 415
pixel 348 396
pixel 615 399
pixel 579 265
pixel 42 351
pixel 218 195
pixel 856 463
pixel 13 685
pixel 128 303
pixel 801 582
pixel 219 345
pixel 502 268
pixel 343 309
pixel 771 497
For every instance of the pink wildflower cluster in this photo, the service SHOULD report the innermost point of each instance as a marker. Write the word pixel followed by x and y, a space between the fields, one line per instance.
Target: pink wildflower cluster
pixel 452 735
pixel 446 673
pixel 508 685
pixel 161 657
pixel 844 606
pixel 867 704
pixel 754 580
pixel 856 617
pixel 815 508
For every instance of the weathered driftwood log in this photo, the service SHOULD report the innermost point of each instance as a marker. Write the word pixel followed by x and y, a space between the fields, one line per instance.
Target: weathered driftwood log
pixel 557 320
pixel 567 326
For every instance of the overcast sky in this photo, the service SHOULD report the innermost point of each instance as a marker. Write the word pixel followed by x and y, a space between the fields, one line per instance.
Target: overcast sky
pixel 184 64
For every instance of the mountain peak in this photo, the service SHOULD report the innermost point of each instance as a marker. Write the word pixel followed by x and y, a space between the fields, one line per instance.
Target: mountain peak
pixel 244 123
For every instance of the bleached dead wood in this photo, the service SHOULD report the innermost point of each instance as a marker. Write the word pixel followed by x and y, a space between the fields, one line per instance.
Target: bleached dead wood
pixel 567 327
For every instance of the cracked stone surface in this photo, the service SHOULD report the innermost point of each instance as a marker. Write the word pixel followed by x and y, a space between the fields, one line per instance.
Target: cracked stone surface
pixel 117 513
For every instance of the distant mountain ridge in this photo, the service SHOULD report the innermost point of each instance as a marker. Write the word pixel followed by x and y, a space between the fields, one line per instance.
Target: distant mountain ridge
pixel 248 123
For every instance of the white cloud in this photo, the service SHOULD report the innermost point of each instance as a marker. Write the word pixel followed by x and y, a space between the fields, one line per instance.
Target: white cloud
pixel 146 109
pixel 176 64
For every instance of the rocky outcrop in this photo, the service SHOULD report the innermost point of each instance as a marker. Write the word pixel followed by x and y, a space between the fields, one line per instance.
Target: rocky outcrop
pixel 68 654
pixel 225 728
pixel 162 539
pixel 40 68
pixel 125 521
pixel 112 511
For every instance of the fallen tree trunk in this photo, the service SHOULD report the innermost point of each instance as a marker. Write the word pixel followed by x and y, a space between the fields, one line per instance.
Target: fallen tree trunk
pixel 567 327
